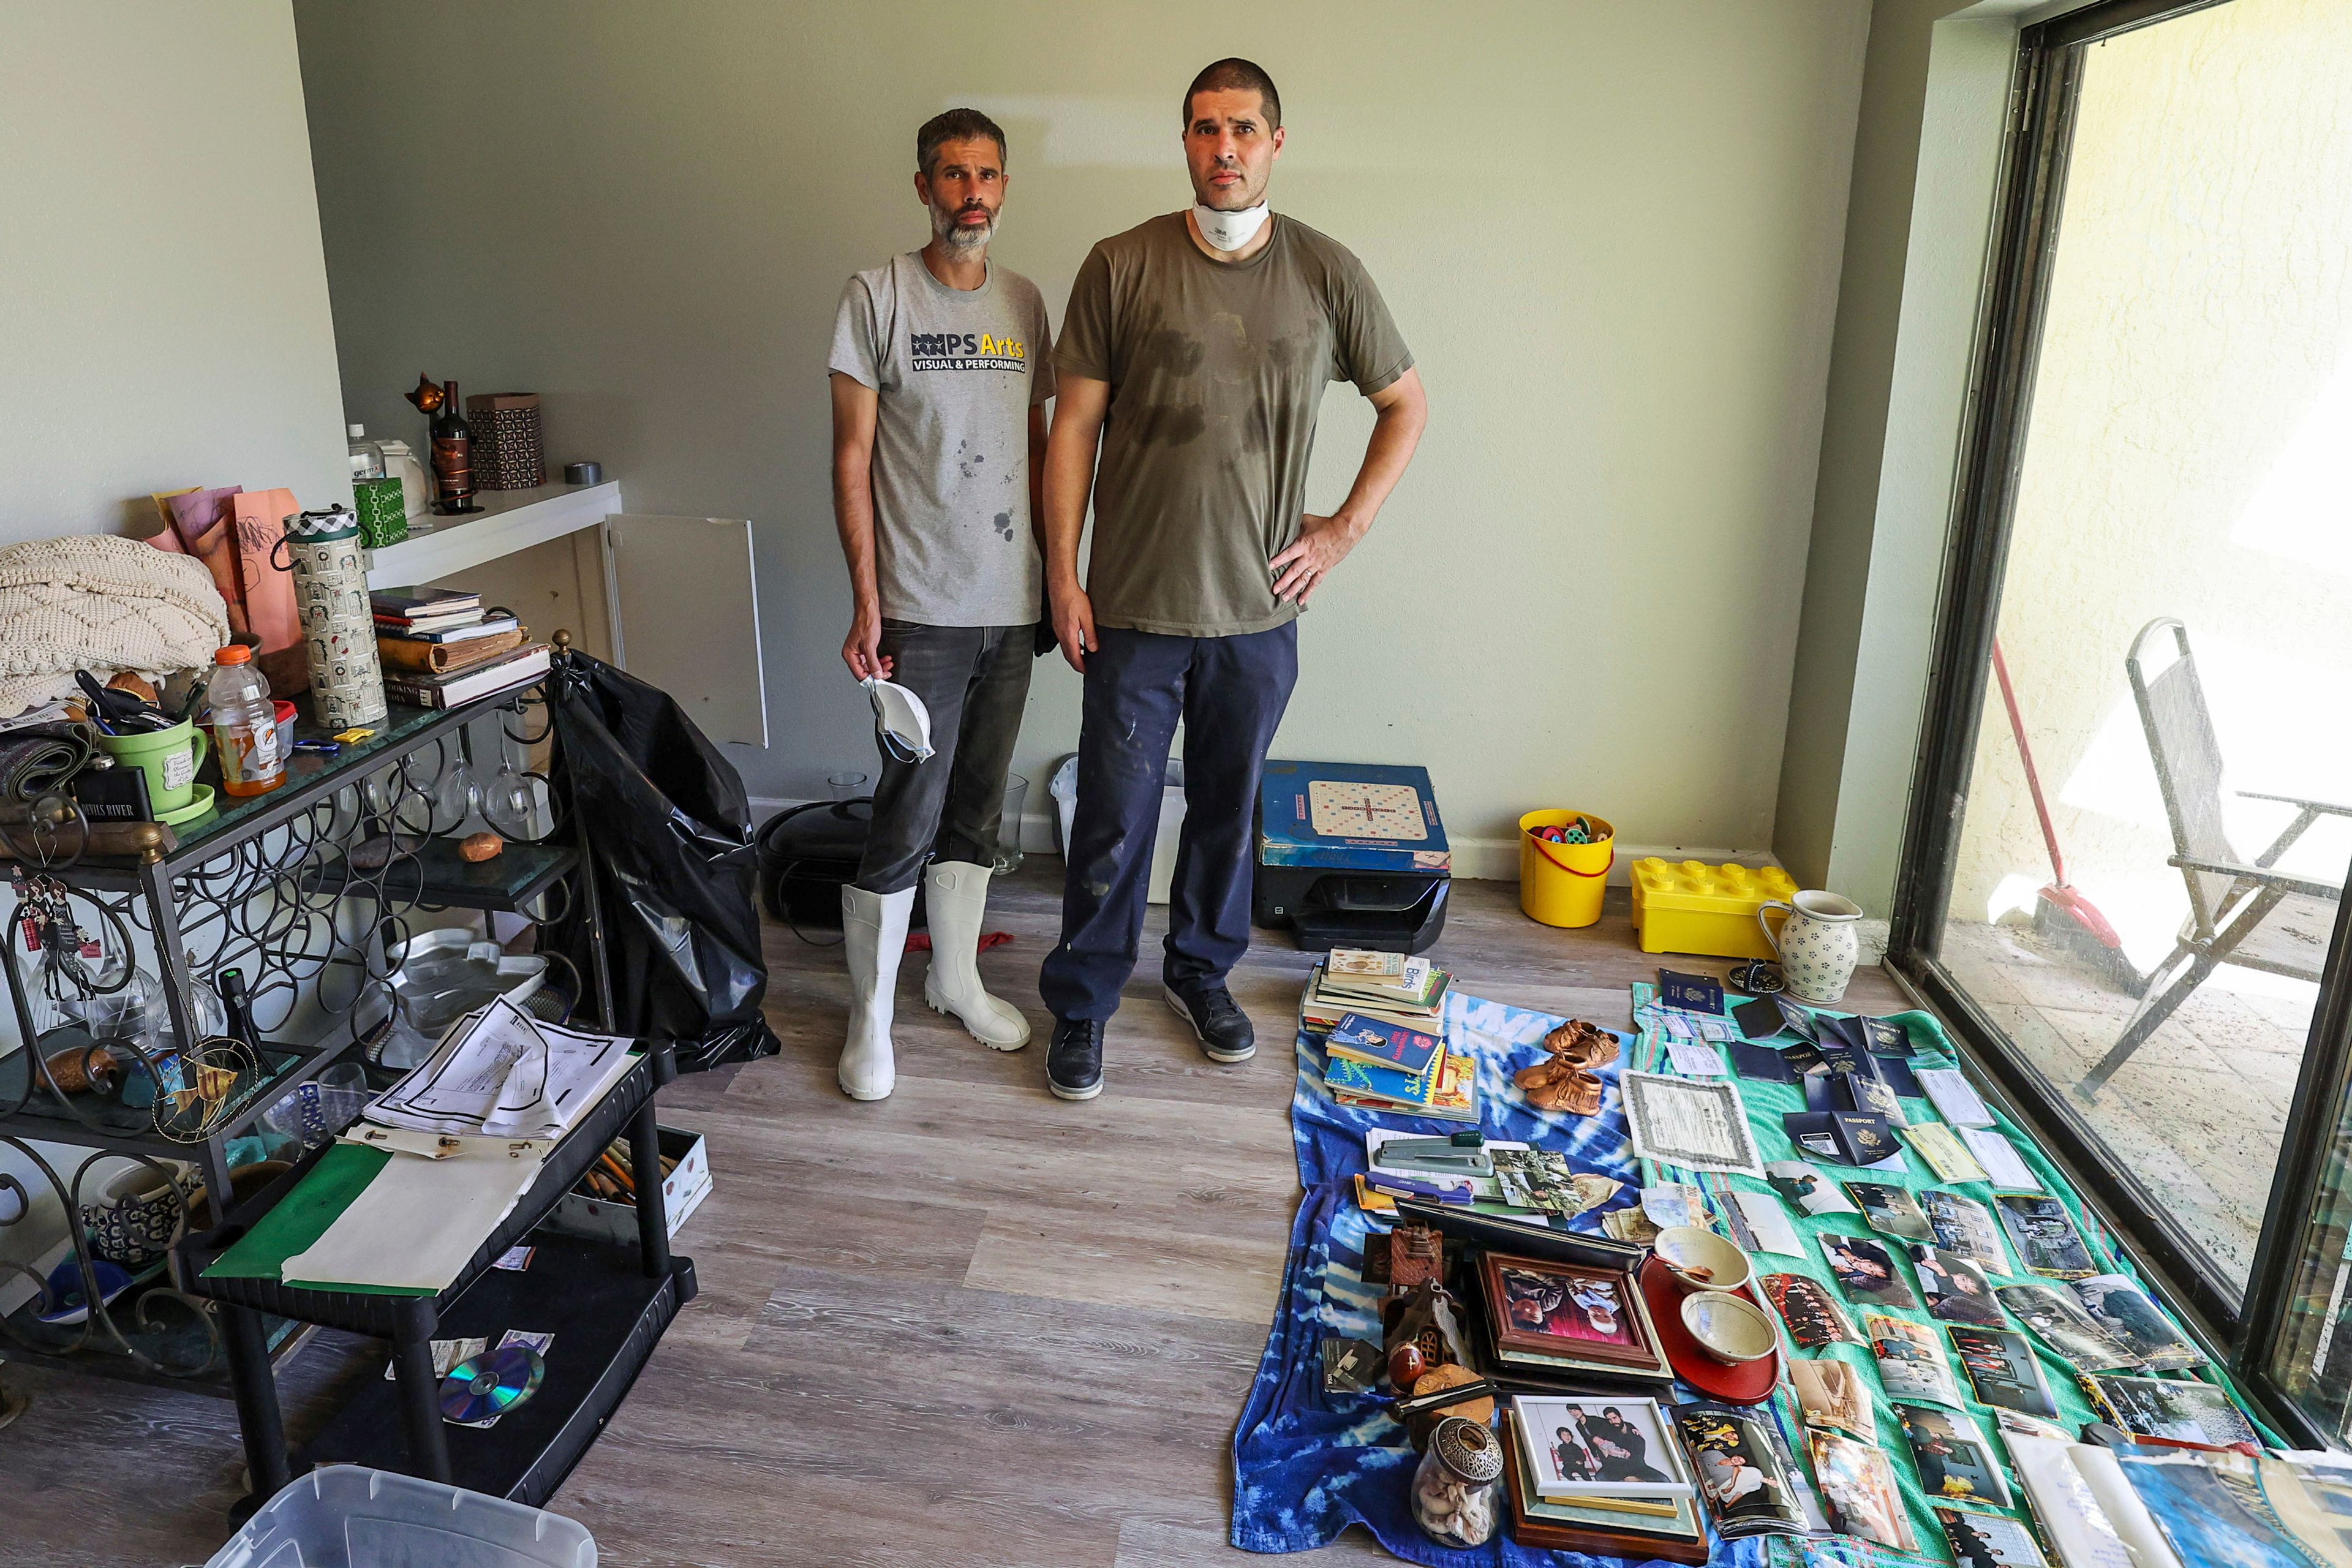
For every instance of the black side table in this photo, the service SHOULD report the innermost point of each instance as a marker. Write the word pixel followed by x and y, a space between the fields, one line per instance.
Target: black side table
pixel 606 1305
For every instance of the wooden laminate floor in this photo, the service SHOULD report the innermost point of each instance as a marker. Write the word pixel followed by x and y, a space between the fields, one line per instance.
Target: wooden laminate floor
pixel 970 1324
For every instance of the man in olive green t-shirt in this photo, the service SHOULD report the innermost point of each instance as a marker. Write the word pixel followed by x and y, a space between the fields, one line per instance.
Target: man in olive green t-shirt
pixel 1194 353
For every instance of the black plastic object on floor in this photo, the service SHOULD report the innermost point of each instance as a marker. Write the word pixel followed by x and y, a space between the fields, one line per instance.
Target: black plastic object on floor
pixel 667 830
pixel 807 855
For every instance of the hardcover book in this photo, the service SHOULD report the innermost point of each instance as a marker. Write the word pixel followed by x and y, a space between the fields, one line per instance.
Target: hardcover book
pixel 1362 817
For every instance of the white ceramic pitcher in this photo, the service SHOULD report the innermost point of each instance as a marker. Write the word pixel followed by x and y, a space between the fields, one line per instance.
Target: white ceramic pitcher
pixel 1817 945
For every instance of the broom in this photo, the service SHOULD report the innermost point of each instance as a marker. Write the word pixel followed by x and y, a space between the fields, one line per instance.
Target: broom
pixel 2061 913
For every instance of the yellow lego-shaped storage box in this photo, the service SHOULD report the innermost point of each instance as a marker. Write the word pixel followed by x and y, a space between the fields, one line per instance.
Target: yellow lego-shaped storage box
pixel 1688 906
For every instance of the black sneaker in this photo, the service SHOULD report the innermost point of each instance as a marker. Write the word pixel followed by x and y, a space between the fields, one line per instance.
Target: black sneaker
pixel 1074 1060
pixel 1225 1029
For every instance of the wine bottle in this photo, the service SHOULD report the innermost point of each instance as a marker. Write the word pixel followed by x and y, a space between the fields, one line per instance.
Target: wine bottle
pixel 239 1007
pixel 452 454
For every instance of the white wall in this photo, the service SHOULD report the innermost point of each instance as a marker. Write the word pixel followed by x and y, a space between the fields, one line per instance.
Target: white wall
pixel 163 318
pixel 1610 234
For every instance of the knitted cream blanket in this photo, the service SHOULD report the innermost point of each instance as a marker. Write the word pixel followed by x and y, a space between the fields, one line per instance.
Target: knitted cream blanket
pixel 99 603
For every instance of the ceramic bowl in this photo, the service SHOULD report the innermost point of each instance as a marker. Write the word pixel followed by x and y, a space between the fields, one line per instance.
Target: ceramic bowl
pixel 1729 1329
pixel 1701 1260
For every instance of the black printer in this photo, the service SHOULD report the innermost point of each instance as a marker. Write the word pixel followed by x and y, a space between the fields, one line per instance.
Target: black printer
pixel 1351 855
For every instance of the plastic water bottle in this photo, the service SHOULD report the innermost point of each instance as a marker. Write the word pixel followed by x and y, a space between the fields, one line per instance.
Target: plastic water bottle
pixel 245 724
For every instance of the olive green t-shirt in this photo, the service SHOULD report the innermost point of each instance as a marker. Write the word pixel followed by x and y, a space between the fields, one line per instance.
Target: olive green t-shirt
pixel 1216 373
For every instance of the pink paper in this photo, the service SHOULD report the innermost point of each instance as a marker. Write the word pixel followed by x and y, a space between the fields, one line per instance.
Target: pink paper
pixel 202 520
pixel 262 569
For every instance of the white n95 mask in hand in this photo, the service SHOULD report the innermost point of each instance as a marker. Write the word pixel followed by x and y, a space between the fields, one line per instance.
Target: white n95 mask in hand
pixel 901 719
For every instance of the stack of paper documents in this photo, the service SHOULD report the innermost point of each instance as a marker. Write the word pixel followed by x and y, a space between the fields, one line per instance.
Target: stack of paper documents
pixel 500 1073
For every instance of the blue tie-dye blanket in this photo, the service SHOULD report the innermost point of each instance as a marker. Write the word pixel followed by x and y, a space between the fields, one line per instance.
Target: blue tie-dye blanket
pixel 1308 1464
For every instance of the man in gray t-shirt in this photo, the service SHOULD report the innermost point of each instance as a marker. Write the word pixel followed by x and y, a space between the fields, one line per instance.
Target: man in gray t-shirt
pixel 941 366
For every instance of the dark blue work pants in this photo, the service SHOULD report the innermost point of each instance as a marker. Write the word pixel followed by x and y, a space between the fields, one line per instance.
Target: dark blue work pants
pixel 1230 692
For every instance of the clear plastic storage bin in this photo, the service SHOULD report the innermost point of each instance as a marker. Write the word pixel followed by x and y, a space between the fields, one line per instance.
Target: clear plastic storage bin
pixel 348 1516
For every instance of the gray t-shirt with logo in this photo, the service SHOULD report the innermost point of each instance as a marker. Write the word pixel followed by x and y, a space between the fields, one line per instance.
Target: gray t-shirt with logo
pixel 956 372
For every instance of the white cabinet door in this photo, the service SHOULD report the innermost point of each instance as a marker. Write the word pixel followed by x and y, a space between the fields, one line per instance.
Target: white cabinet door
pixel 686 618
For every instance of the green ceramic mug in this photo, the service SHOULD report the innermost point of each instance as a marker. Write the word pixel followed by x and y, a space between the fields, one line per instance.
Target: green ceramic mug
pixel 169 758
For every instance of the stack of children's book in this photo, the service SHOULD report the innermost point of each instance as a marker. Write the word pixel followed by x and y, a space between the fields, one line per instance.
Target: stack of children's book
pixel 439 648
pixel 1387 1066
pixel 1387 986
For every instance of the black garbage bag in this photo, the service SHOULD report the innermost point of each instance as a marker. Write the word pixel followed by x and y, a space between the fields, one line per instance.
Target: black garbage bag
pixel 667 829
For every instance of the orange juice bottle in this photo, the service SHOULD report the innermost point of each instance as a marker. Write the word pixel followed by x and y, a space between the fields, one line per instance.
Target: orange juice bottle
pixel 245 724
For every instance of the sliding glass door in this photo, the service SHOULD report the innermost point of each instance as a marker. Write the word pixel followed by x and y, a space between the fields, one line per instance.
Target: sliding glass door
pixel 2133 818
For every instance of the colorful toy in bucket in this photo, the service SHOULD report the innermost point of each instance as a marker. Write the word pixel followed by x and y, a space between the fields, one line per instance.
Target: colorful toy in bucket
pixel 1561 878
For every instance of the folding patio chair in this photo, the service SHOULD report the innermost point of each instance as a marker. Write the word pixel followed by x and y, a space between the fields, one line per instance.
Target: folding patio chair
pixel 2245 913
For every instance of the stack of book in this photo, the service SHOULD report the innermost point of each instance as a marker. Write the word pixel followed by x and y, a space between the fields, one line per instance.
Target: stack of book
pixel 439 650
pixel 1380 1066
pixel 1388 986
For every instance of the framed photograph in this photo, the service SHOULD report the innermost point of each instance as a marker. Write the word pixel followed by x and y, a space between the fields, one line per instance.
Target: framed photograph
pixel 1866 1271
pixel 2059 1320
pixel 1956 1288
pixel 1965 1226
pixel 1806 1190
pixel 1565 1310
pixel 1812 1314
pixel 2177 1408
pixel 2044 1235
pixel 1739 1472
pixel 1989 1540
pixel 1890 1211
pixel 1834 1393
pixel 2124 1309
pixel 1859 1485
pixel 1953 1459
pixel 2003 1369
pixel 1620 1447
pixel 1911 1363
pixel 1696 1124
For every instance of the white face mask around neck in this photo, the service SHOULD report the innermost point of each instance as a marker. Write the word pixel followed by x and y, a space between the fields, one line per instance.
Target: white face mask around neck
pixel 1231 231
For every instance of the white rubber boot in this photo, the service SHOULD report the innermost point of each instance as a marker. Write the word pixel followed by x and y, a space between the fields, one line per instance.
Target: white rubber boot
pixel 955 896
pixel 873 938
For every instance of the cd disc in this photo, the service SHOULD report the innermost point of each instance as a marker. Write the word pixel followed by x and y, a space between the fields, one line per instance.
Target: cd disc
pixel 490 1384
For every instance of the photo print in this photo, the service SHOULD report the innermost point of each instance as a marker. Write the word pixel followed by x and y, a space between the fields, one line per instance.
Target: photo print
pixel 1806 1190
pixel 2057 1319
pixel 1812 1314
pixel 2044 1235
pixel 1956 1288
pixel 1989 1540
pixel 1953 1458
pixel 1834 1393
pixel 1866 1271
pixel 2124 1309
pixel 1859 1485
pixel 1965 1226
pixel 1738 1471
pixel 2180 1409
pixel 2003 1369
pixel 1911 1363
pixel 1891 1211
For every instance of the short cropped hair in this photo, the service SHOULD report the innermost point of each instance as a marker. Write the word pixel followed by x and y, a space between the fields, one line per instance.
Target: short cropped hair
pixel 1236 74
pixel 955 126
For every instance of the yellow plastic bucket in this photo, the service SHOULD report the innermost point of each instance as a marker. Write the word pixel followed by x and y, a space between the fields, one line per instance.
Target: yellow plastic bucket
pixel 1561 884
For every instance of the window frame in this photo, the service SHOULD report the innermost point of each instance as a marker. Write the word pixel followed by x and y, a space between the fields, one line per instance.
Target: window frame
pixel 2044 93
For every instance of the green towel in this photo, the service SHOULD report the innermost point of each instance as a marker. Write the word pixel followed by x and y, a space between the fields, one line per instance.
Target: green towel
pixel 302 1216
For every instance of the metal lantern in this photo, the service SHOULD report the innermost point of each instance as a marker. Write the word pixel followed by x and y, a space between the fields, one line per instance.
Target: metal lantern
pixel 331 590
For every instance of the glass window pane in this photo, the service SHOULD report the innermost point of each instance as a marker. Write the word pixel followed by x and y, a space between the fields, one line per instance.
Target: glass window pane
pixel 2186 490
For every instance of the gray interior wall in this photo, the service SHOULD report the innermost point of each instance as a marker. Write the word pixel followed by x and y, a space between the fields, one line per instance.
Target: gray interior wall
pixel 1928 163
pixel 1610 234
pixel 163 295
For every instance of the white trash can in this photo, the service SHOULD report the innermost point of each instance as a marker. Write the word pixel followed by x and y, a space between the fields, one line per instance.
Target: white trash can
pixel 1064 791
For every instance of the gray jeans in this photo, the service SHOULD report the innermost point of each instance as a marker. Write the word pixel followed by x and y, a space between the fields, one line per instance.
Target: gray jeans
pixel 975 681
